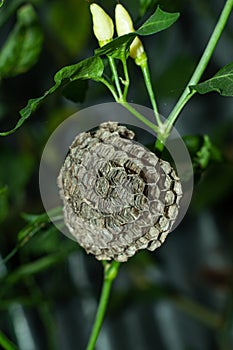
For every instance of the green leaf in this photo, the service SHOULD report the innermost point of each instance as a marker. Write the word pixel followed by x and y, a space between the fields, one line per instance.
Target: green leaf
pixel 6 343
pixel 35 224
pixel 159 21
pixel 1 3
pixel 90 68
pixel 202 151
pixel 70 23
pixel 39 265
pixel 22 48
pixel 145 5
pixel 118 47
pixel 221 82
pixel 10 7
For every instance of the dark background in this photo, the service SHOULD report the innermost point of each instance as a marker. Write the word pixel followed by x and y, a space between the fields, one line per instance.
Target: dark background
pixel 176 298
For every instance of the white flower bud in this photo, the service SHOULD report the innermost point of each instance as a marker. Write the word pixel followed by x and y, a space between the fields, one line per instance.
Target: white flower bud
pixel 102 24
pixel 124 25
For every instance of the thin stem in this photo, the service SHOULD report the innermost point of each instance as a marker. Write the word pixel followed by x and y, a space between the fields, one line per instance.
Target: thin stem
pixel 115 75
pixel 147 79
pixel 110 273
pixel 187 94
pixel 126 81
pixel 138 115
pixel 110 87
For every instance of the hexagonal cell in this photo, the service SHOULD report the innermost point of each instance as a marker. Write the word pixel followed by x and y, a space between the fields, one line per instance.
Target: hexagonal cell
pixel 177 188
pixel 169 198
pixel 101 187
pixel 153 245
pixel 153 233
pixel 172 211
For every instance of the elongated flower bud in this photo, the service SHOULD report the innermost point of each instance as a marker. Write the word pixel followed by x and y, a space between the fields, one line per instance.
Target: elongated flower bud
pixel 124 25
pixel 102 24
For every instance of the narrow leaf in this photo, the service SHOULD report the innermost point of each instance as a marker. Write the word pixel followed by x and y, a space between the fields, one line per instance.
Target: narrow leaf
pixel 159 21
pixel 5 343
pixel 22 48
pixel 39 265
pixel 221 82
pixel 90 68
pixel 35 224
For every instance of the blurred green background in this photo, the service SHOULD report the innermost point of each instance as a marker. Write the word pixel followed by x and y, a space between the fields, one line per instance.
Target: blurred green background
pixel 180 296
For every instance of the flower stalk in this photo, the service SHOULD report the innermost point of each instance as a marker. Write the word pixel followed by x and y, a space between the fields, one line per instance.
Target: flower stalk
pixel 110 273
pixel 124 25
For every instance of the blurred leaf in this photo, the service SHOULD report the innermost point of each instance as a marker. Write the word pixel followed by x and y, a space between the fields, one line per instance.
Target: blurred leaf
pixel 36 224
pixel 221 82
pixel 76 91
pixel 90 68
pixel 6 343
pixel 12 163
pixel 202 151
pixel 39 265
pixel 1 3
pixel 3 203
pixel 10 7
pixel 22 48
pixel 70 22
pixel 145 5
pixel 159 21
pixel 207 153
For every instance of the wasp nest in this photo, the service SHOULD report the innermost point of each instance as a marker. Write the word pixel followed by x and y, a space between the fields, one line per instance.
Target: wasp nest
pixel 118 197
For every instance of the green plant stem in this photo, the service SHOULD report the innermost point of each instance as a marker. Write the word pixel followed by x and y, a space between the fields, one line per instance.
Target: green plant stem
pixel 110 87
pixel 139 115
pixel 126 81
pixel 115 75
pixel 110 273
pixel 208 52
pixel 147 79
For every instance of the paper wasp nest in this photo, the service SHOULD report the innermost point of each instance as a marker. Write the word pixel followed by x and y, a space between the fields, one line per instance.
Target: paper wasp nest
pixel 118 197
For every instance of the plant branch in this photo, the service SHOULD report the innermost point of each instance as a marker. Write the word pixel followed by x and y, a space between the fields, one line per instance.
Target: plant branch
pixel 109 86
pixel 115 75
pixel 147 79
pixel 126 81
pixel 206 56
pixel 139 115
pixel 110 273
